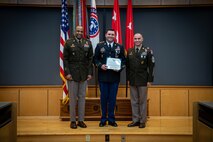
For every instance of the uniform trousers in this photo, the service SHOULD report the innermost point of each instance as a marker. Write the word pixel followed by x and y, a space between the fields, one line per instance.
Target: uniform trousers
pixel 77 91
pixel 138 96
pixel 108 100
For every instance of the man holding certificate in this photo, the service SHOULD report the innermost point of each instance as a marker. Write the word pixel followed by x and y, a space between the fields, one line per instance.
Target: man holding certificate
pixel 110 60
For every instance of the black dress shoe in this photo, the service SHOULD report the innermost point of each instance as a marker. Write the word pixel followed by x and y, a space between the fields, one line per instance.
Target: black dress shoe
pixel 142 125
pixel 114 124
pixel 82 124
pixel 73 125
pixel 102 124
pixel 133 124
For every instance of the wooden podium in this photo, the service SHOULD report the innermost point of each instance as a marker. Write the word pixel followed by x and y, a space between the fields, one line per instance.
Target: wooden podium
pixel 93 109
pixel 8 122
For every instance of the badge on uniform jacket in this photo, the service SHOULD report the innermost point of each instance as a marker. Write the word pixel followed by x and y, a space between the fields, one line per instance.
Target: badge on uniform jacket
pixel 142 62
pixel 72 46
pixel 102 50
pixel 117 50
pixel 143 54
pixel 86 45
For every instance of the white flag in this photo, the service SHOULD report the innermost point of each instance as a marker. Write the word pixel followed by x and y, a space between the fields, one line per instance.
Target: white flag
pixel 94 25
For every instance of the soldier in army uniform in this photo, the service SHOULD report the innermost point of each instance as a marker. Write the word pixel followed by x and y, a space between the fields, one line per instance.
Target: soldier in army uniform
pixel 108 79
pixel 78 56
pixel 140 63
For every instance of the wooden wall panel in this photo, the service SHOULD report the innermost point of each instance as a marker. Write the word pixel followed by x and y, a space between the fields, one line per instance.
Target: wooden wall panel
pixel 33 102
pixel 43 2
pixel 154 101
pixel 163 100
pixel 201 1
pixel 111 2
pixel 98 2
pixel 146 2
pixel 121 92
pixel 10 95
pixel 175 2
pixel 199 94
pixel 53 105
pixel 55 2
pixel 92 92
pixel 9 1
pixel 174 102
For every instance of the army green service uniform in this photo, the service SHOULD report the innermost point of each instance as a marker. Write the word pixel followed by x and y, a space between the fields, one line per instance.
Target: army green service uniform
pixel 139 66
pixel 78 56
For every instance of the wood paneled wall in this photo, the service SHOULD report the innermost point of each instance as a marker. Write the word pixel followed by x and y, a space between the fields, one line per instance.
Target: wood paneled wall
pixel 155 3
pixel 163 100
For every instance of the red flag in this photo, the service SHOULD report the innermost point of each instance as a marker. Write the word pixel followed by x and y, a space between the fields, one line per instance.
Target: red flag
pixel 84 17
pixel 116 23
pixel 129 27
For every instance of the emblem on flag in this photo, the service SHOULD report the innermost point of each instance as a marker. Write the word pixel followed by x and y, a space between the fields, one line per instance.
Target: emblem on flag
pixel 94 26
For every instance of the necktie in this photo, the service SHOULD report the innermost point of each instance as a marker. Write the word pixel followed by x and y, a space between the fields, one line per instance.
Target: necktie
pixel 137 49
pixel 110 46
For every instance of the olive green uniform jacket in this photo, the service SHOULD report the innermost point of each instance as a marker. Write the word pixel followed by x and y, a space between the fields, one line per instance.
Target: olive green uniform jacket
pixel 139 66
pixel 78 58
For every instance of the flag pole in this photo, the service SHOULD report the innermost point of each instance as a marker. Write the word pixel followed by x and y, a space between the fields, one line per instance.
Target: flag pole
pixel 129 33
pixel 94 36
pixel 64 35
pixel 96 83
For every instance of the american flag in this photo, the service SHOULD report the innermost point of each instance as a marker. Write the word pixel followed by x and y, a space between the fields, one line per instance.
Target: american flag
pixel 64 35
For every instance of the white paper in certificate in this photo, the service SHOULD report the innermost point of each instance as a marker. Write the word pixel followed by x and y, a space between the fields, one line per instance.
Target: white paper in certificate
pixel 113 63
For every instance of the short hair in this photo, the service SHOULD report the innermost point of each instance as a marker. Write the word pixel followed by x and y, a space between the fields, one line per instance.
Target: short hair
pixel 110 30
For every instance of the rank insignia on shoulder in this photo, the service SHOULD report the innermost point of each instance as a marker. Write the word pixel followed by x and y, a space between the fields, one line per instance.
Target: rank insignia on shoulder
pixel 153 59
pixel 72 46
pixel 150 50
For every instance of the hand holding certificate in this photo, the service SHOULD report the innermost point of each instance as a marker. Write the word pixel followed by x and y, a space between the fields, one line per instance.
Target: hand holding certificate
pixel 113 64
